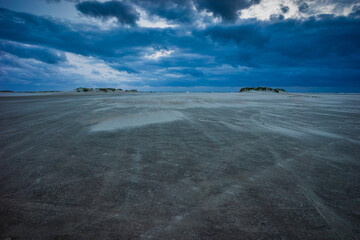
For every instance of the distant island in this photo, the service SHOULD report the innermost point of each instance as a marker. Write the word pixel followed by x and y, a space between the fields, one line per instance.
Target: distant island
pixel 105 90
pixel 267 89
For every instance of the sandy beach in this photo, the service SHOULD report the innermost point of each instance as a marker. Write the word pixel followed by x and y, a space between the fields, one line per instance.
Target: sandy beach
pixel 180 166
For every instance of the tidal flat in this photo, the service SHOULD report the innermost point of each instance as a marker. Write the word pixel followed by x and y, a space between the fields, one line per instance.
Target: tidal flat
pixel 180 166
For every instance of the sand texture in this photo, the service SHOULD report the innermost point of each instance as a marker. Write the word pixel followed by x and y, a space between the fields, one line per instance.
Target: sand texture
pixel 180 166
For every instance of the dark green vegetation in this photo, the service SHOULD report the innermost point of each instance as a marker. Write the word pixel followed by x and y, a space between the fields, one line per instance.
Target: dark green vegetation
pixel 277 90
pixel 6 91
pixel 105 90
pixel 80 89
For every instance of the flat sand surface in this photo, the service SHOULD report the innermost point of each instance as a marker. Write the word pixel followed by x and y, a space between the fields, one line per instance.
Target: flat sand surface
pixel 180 166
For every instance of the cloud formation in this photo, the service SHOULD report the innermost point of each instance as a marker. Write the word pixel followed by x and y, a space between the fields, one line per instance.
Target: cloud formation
pixel 27 51
pixel 227 10
pixel 122 11
pixel 210 46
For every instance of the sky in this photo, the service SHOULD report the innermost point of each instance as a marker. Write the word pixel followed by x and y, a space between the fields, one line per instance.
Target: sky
pixel 180 45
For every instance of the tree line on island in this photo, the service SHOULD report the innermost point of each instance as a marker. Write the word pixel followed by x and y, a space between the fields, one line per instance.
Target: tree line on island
pixel 267 89
pixel 81 89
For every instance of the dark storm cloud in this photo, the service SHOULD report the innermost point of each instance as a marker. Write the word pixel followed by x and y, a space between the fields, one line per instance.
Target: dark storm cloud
pixel 183 11
pixel 303 7
pixel 227 10
pixel 58 1
pixel 188 71
pixel 312 52
pixel 333 42
pixel 355 11
pixel 175 11
pixel 25 75
pixel 274 17
pixel 39 53
pixel 246 35
pixel 284 9
pixel 31 29
pixel 300 41
pixel 122 11
pixel 123 68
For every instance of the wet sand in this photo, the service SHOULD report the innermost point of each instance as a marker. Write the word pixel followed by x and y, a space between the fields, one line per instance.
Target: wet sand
pixel 180 166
